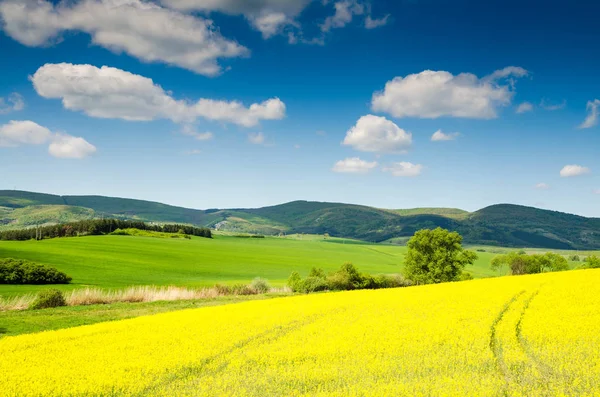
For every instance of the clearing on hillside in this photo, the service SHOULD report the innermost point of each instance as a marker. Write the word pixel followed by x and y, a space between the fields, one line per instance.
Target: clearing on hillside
pixel 510 336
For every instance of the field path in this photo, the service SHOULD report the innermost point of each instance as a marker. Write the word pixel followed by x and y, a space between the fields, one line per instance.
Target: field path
pixel 522 371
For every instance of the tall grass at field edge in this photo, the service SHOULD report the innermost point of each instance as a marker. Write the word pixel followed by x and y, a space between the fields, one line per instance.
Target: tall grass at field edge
pixel 135 294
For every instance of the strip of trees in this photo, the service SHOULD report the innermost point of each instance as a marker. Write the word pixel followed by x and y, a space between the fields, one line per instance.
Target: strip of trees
pixel 521 263
pixel 95 227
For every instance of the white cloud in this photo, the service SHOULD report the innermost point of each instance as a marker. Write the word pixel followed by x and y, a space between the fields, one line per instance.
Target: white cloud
pixel 114 93
pixel 524 107
pixel 269 17
pixel 70 147
pixel 189 130
pixel 257 138
pixel 573 170
pixel 354 165
pixel 26 132
pixel 509 71
pixel 596 191
pixel 548 106
pixel 17 133
pixel 371 23
pixel 377 134
pixel 542 186
pixel 439 136
pixel 592 118
pixel 139 28
pixel 433 94
pixel 404 169
pixel 344 12
pixel 13 103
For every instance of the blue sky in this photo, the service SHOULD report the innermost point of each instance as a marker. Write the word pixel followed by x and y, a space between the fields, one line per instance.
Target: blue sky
pixel 277 101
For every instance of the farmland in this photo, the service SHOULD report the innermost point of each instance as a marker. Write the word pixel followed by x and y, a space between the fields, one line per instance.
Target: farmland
pixel 519 335
pixel 121 261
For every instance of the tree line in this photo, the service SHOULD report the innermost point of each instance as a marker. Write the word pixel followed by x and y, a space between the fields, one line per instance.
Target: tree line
pixel 94 227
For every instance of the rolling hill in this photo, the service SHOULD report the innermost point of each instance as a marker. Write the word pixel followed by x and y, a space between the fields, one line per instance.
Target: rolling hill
pixel 502 224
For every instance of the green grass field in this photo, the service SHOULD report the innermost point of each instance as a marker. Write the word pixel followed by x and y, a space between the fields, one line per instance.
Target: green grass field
pixel 120 261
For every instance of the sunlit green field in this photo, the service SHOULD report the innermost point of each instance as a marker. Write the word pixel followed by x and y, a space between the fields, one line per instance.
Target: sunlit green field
pixel 120 261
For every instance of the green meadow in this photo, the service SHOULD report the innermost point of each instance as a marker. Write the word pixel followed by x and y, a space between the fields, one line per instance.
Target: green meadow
pixel 121 261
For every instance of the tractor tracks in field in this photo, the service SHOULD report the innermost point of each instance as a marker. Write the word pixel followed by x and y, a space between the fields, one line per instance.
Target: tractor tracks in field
pixel 219 362
pixel 521 369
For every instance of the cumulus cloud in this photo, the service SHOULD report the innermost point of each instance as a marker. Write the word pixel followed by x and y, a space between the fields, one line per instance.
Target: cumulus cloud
pixel 142 29
pixel 377 134
pixel 13 103
pixel 573 170
pixel 524 107
pixel 433 94
pixel 592 118
pixel 371 23
pixel 257 138
pixel 344 12
pixel 114 93
pixel 440 136
pixel 404 169
pixel 354 165
pixel 17 133
pixel 542 186
pixel 70 147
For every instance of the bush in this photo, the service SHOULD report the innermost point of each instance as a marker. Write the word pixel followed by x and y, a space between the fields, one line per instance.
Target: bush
pixel 521 263
pixel 347 278
pixel 242 289
pixel 592 262
pixel 49 298
pixel 18 271
pixel 260 285
pixel 465 276
pixel 574 258
pixel 391 281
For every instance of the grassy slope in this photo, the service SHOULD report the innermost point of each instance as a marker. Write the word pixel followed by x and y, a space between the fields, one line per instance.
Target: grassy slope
pixel 119 261
pixel 44 214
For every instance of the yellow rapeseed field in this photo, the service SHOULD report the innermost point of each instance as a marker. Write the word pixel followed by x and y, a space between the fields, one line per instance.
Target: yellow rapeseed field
pixel 511 336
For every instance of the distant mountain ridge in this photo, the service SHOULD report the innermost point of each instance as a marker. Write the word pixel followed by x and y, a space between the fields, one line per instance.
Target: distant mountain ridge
pixel 501 224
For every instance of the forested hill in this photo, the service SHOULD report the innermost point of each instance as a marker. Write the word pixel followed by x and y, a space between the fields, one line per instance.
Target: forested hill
pixel 503 224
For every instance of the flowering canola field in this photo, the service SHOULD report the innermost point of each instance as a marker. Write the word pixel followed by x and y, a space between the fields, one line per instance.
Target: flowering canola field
pixel 512 336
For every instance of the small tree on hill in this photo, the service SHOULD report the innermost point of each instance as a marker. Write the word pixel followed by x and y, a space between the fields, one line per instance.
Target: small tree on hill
pixel 436 256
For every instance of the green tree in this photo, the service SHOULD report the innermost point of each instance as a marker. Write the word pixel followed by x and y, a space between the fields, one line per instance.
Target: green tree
pixel 436 256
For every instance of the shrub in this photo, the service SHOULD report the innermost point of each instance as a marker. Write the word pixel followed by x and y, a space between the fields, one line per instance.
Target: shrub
pixel 294 281
pixel 347 278
pixel 18 271
pixel 313 284
pixel 465 276
pixel 574 258
pixel 242 289
pixel 391 281
pixel 260 285
pixel 592 262
pixel 521 263
pixel 49 298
